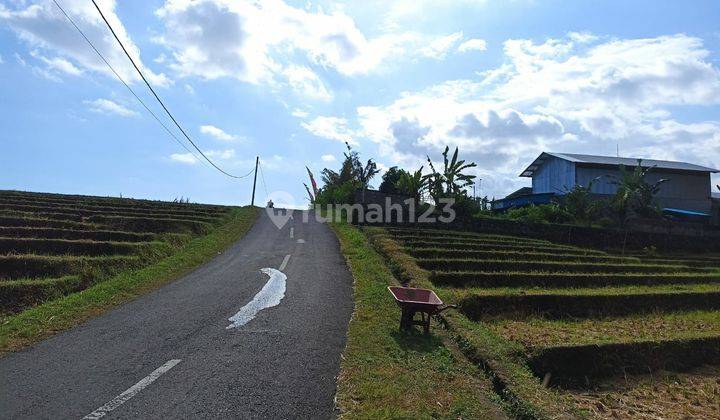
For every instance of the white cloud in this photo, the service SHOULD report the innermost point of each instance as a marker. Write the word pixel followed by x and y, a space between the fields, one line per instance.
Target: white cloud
pixel 108 107
pixel 328 158
pixel 560 94
pixel 582 37
pixel 439 48
pixel 221 154
pixel 264 42
pixel 43 27
pixel 299 113
pixel 473 45
pixel 186 158
pixel 332 128
pixel 58 64
pixel 1 60
pixel 306 83
pixel 189 89
pixel 218 133
pixel 227 38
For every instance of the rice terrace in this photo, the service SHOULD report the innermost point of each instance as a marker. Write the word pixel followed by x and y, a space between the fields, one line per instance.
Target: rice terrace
pixel 321 209
pixel 609 332
pixel 55 244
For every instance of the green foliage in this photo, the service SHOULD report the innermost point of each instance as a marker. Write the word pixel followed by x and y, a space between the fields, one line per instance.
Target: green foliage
pixel 544 213
pixel 579 204
pixel 389 184
pixel 340 186
pixel 635 195
pixel 452 181
pixel 412 184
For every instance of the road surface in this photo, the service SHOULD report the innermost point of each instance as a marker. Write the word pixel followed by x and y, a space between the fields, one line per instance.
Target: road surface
pixel 169 354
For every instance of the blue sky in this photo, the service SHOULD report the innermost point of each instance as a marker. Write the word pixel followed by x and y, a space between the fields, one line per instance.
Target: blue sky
pixel 290 81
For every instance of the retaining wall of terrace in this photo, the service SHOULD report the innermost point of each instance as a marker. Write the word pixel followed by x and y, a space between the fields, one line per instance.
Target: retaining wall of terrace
pixel 592 237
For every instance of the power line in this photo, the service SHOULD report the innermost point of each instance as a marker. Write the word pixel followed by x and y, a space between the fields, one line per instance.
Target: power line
pixel 262 178
pixel 107 63
pixel 156 95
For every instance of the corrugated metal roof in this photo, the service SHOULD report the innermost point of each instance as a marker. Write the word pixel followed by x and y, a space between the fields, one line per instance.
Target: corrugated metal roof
pixel 613 161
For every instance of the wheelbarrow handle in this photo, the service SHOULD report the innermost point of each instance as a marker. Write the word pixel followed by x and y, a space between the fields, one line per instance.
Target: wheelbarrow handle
pixel 446 307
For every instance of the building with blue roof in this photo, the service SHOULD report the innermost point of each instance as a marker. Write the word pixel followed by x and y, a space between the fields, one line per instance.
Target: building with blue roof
pixel 688 193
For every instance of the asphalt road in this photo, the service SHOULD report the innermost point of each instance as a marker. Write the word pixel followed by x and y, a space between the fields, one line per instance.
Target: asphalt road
pixel 282 364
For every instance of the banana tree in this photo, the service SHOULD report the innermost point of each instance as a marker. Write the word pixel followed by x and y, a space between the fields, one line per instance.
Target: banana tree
pixel 635 195
pixel 452 181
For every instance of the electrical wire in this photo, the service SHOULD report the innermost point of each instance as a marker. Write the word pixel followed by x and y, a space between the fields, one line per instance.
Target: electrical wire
pixel 156 95
pixel 262 178
pixel 107 63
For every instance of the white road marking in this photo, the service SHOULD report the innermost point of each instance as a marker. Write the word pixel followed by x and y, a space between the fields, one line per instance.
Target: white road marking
pixel 132 391
pixel 270 295
pixel 284 262
pixel 292 232
pixel 301 241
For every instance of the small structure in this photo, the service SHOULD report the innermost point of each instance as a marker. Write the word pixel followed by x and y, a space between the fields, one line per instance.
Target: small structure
pixel 411 301
pixel 554 174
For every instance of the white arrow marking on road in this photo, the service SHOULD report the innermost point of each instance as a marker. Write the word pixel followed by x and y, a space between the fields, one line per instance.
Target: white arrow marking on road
pixel 271 294
pixel 131 392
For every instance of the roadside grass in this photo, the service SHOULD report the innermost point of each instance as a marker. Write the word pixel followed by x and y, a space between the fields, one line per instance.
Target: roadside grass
pixel 520 390
pixel 39 322
pixel 386 374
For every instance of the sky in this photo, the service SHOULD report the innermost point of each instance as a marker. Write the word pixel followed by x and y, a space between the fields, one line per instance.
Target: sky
pixel 292 81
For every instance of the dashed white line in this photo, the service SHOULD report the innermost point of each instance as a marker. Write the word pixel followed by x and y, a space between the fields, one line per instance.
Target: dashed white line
pixel 284 262
pixel 132 391
pixel 292 233
pixel 301 241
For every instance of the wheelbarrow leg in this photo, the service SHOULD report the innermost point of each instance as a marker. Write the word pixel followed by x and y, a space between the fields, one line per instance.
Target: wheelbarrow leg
pixel 426 324
pixel 406 319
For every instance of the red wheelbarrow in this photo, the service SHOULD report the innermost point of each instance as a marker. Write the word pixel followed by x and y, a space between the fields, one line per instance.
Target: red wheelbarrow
pixel 412 300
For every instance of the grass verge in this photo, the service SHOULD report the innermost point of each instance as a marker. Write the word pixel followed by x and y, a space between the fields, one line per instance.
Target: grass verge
pixel 521 392
pixel 388 374
pixel 32 325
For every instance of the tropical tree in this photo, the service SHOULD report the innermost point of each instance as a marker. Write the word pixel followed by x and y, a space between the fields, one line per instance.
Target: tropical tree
pixel 635 195
pixel 579 203
pixel 390 178
pixel 412 184
pixel 340 186
pixel 452 180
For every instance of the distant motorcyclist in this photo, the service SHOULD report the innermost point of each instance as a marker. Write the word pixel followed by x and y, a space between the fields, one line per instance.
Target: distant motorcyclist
pixel 270 204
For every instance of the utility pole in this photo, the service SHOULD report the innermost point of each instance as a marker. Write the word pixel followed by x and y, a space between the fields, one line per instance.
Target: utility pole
pixel 257 161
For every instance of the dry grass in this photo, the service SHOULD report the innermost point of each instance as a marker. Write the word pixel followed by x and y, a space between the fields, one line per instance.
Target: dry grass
pixel 661 395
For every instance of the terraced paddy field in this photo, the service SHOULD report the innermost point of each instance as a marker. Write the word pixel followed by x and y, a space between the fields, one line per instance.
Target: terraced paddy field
pixel 572 332
pixel 52 245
